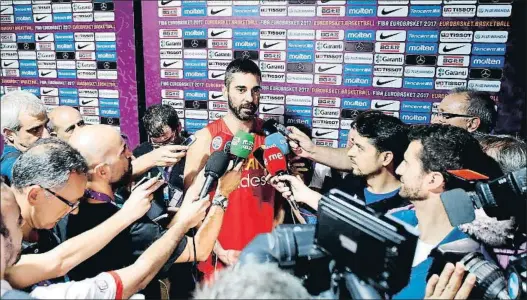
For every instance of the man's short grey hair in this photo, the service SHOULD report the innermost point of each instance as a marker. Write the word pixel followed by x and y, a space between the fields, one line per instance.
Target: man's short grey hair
pixel 509 152
pixel 480 105
pixel 48 163
pixel 15 102
pixel 253 281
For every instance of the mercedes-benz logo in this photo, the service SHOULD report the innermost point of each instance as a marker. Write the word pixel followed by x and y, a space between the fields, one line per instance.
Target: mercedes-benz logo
pixel 26 46
pixel 485 73
pixel 109 121
pixel 106 65
pixel 246 55
pixel 194 43
pixel 354 114
pixel 65 55
pixel 104 6
pixel 195 104
pixel 300 67
pixel 420 60
pixel 359 46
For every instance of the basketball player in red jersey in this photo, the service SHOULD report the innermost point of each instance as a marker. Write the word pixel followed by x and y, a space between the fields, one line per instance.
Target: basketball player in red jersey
pixel 251 207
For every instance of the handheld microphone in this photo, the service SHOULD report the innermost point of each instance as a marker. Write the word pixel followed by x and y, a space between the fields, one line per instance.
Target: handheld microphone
pixel 274 161
pixel 277 140
pixel 214 169
pixel 272 126
pixel 276 164
pixel 241 146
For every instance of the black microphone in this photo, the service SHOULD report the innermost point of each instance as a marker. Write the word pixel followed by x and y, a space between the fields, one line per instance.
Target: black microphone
pixel 459 206
pixel 272 126
pixel 214 169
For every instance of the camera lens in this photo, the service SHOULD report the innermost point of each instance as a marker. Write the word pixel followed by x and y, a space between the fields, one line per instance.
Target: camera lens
pixel 490 282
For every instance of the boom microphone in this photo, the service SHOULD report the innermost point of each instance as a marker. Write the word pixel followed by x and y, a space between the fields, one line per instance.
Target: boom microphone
pixel 272 126
pixel 214 169
pixel 241 146
pixel 277 140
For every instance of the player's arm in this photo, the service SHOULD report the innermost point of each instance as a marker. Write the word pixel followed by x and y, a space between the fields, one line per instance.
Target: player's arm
pixel 197 156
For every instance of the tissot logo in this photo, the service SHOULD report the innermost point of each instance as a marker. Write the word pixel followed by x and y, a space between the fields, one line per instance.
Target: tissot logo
pixel 456 36
pixel 459 10
pixel 272 98
pixel 326 123
pixel 448 84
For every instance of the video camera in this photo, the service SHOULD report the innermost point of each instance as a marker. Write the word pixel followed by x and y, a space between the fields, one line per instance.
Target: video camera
pixel 502 198
pixel 361 253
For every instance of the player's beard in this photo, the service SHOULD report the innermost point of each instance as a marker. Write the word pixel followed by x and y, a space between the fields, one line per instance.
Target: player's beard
pixel 241 111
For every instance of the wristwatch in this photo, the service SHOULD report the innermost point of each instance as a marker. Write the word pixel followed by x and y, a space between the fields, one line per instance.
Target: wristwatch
pixel 220 201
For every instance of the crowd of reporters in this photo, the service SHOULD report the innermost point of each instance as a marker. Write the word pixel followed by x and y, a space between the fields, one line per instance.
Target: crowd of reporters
pixel 86 217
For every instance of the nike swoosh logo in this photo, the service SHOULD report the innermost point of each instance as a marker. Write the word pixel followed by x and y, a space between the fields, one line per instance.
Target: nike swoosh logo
pixel 217 75
pixel 215 12
pixel 82 47
pixel 265 109
pixel 7 65
pixel 166 2
pixel 41 18
pixel 322 133
pixel 86 102
pixel 216 96
pixel 385 82
pixel 47 92
pixel 385 12
pixel 320 69
pixel 4 9
pixel 377 105
pixel 265 45
pixel 446 49
pixel 383 37
pixel 217 33
pixel 40 38
pixel 168 65
pixel 46 74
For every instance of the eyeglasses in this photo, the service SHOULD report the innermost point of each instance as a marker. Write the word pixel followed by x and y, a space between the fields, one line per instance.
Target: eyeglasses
pixel 73 206
pixel 446 116
pixel 156 143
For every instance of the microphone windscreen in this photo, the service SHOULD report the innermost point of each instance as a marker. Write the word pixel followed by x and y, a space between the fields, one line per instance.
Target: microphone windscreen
pixel 274 161
pixel 217 164
pixel 242 144
pixel 269 127
pixel 458 206
pixel 277 140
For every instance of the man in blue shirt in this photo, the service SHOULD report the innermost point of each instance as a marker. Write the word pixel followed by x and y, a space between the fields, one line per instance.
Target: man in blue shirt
pixel 433 151
pixel 376 146
pixel 23 122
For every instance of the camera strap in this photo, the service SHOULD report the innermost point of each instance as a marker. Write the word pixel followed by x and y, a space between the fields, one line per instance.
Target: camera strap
pixel 98 196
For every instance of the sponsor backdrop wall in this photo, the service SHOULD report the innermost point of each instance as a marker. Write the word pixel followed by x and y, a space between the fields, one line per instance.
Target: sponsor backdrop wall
pixel 78 53
pixel 323 61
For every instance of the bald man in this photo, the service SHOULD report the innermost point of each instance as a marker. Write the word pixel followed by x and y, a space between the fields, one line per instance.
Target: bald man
pixel 110 167
pixel 63 120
